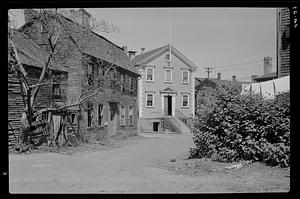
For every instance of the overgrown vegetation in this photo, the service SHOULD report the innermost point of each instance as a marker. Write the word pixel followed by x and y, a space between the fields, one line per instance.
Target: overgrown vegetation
pixel 238 127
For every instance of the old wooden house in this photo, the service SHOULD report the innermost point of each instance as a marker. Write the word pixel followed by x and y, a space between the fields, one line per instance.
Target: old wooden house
pixel 204 90
pixel 99 71
pixel 33 59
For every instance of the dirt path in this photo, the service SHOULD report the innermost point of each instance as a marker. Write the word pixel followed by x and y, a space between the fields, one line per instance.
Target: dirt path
pixel 134 167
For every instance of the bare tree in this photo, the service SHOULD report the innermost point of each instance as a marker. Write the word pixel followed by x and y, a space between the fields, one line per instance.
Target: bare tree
pixel 53 28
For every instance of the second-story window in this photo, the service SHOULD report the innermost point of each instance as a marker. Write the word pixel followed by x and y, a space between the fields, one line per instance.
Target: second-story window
pixel 150 74
pixel 122 83
pixel 90 75
pixel 168 75
pixel 56 90
pixel 185 76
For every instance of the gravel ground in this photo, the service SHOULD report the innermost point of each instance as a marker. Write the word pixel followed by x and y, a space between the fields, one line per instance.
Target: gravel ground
pixel 140 164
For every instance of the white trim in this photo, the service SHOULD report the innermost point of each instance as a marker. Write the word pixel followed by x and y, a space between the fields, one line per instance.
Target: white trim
pixel 193 94
pixel 188 80
pixel 151 93
pixel 188 100
pixel 147 74
pixel 166 74
pixel 163 103
pixel 140 94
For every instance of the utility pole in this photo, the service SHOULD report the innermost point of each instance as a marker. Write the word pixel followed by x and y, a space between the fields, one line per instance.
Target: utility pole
pixel 208 70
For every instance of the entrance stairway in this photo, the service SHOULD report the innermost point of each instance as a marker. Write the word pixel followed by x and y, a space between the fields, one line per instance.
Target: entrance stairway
pixel 174 124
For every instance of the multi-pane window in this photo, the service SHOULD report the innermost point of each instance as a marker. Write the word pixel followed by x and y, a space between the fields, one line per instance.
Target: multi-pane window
pixel 122 83
pixel 149 74
pixel 56 89
pixel 90 75
pixel 122 115
pixel 100 114
pixel 185 76
pixel 168 75
pixel 185 100
pixel 149 99
pixel 89 114
pixel 130 115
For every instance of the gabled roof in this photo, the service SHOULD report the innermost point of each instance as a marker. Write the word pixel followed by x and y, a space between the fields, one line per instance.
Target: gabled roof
pixel 215 81
pixel 95 45
pixel 30 53
pixel 153 54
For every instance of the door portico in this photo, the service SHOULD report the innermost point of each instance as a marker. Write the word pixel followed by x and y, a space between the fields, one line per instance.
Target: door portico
pixel 168 97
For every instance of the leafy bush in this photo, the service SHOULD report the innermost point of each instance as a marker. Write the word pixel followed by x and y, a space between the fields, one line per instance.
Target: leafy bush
pixel 239 127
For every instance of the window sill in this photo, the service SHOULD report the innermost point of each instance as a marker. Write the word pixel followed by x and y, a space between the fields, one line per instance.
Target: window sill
pixel 149 106
pixel 185 107
pixel 185 82
pixel 168 82
pixel 150 81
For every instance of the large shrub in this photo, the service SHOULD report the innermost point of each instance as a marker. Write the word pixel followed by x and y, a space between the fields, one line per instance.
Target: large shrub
pixel 239 127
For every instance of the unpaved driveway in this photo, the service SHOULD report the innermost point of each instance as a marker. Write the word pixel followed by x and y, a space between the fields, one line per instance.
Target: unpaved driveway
pixel 131 168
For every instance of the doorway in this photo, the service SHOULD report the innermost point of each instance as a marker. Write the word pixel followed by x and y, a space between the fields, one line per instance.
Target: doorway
pixel 168 105
pixel 155 126
pixel 112 117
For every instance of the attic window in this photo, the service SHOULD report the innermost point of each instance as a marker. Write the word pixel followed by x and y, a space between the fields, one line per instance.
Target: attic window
pixel 167 57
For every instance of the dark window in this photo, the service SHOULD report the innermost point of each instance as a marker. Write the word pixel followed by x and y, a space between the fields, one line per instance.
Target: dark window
pixel 90 75
pixel 122 83
pixel 130 114
pixel 89 114
pixel 100 114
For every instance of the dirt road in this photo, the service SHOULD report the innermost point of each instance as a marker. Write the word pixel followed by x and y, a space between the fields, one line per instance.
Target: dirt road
pixel 133 167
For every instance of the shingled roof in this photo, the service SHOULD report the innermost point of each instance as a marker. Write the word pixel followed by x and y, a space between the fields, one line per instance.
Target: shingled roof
pixel 93 44
pixel 97 46
pixel 153 54
pixel 30 53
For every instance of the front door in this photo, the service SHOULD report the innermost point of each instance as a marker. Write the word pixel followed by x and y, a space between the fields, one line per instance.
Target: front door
pixel 113 115
pixel 168 105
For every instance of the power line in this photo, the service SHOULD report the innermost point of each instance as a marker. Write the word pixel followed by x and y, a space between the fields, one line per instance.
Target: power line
pixel 208 70
pixel 239 69
pixel 238 64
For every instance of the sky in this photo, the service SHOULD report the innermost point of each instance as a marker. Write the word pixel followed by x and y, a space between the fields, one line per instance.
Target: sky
pixel 233 41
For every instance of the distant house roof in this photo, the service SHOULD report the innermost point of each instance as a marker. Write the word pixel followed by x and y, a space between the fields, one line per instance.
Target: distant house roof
pixel 153 54
pixel 214 81
pixel 266 77
pixel 95 45
pixel 30 53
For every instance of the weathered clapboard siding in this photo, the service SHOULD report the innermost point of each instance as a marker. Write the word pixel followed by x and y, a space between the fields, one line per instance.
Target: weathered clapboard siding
pixel 15 106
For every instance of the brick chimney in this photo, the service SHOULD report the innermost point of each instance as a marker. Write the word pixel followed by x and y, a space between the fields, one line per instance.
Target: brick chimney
pixel 219 76
pixel 234 78
pixel 142 50
pixel 81 17
pixel 131 54
pixel 29 14
pixel 267 65
pixel 125 49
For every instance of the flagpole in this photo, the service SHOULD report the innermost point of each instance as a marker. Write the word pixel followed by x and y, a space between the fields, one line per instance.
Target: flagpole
pixel 170 32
